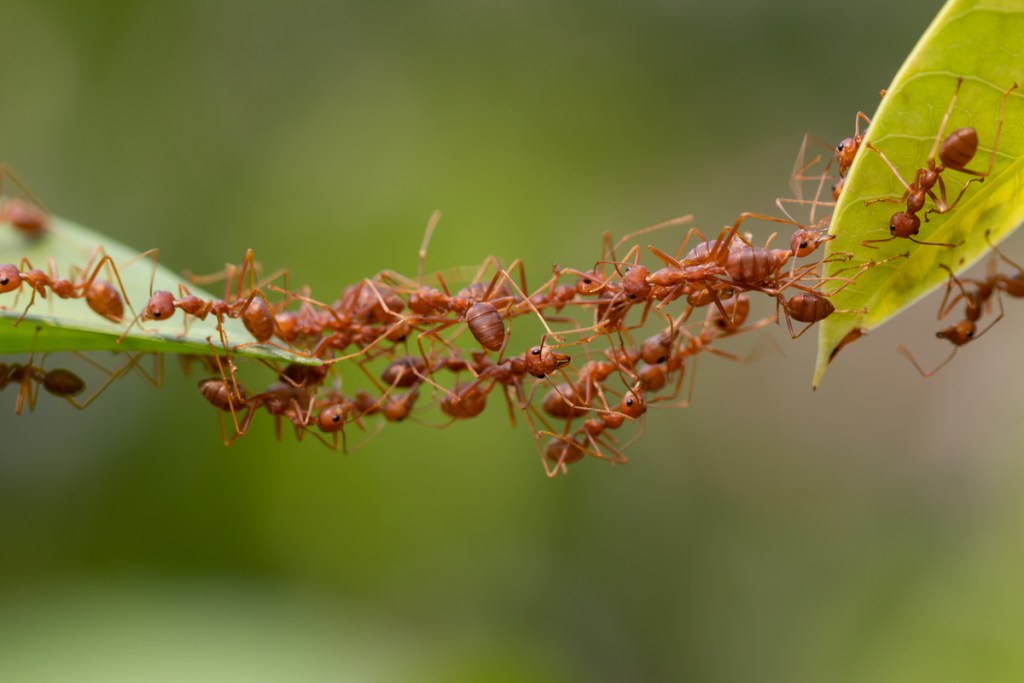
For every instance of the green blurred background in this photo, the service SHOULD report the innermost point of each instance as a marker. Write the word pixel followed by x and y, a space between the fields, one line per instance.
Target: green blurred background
pixel 866 532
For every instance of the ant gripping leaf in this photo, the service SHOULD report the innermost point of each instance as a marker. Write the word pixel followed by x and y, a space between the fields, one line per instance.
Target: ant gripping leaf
pixel 80 259
pixel 934 97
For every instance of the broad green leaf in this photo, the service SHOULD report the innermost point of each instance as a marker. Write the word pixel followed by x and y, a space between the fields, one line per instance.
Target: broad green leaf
pixel 54 324
pixel 982 42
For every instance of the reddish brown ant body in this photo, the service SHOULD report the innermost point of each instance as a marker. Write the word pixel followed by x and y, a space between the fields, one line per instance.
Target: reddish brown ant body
pixel 591 438
pixel 846 150
pixel 956 151
pixel 100 295
pixel 975 302
pixel 24 214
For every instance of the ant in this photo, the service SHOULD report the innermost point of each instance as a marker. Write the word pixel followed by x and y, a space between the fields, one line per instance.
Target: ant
pixel 477 304
pixel 60 382
pixel 1012 285
pixel 808 307
pixel 591 437
pixel 846 150
pixel 100 295
pixel 24 215
pixel 965 331
pixel 956 151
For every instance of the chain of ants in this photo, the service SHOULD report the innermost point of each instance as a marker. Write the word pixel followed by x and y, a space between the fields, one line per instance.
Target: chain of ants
pixel 408 336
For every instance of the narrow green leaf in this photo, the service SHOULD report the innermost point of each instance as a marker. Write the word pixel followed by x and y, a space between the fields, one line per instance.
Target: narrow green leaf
pixel 981 41
pixel 70 325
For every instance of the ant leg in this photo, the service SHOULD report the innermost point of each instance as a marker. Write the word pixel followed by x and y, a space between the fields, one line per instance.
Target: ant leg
pixel 905 352
pixel 944 310
pixel 112 375
pixel 679 220
pixel 945 120
pixel 995 141
pixel 234 383
pixel 503 274
pixel 999 317
pixel 427 234
pixel 895 172
pixel 1000 254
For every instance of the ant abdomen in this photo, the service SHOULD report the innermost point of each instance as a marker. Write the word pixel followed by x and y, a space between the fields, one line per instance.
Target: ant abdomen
pixel 486 325
pixel 63 383
pixel 808 307
pixel 104 299
pixel 27 218
pixel 221 394
pixel 959 148
pixel 258 319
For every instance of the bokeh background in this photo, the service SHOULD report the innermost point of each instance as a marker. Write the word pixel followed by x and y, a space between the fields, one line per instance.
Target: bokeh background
pixel 869 531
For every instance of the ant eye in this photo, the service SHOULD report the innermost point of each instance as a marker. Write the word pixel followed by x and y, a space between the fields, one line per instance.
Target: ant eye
pixel 629 403
pixel 892 228
pixel 4 281
pixel 632 296
pixel 335 418
pixel 803 245
pixel 839 147
pixel 586 281
pixel 535 350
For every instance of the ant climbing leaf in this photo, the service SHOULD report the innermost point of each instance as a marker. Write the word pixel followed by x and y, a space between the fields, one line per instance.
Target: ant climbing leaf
pixel 968 40
pixel 59 324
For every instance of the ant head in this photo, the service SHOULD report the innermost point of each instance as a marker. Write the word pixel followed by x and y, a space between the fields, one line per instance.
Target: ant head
pixel 633 404
pixel 160 306
pixel 10 278
pixel 589 283
pixel 958 334
pixel 634 282
pixel 332 418
pixel 541 361
pixel 804 242
pixel 904 224
pixel 845 153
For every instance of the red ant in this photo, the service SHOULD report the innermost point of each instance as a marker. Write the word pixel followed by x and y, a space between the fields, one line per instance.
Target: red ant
pixel 966 330
pixel 591 437
pixel 24 215
pixel 100 295
pixel 60 382
pixel 476 304
pixel 957 150
pixel 846 150
pixel 1011 285
pixel 810 308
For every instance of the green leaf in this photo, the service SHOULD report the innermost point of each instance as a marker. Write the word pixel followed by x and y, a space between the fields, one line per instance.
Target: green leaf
pixel 70 325
pixel 981 41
